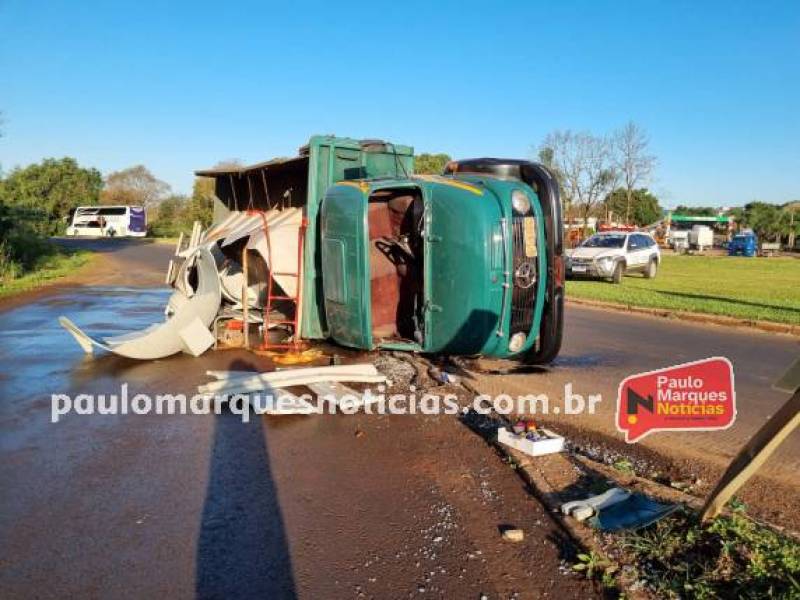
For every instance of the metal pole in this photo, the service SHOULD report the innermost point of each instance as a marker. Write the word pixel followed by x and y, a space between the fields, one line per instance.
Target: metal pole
pixel 233 191
pixel 245 299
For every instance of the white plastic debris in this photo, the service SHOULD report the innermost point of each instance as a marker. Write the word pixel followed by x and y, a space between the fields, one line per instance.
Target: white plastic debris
pixel 164 339
pixel 210 285
pixel 196 338
pixel 551 444
pixel 244 384
pixel 583 509
pixel 279 402
pixel 342 396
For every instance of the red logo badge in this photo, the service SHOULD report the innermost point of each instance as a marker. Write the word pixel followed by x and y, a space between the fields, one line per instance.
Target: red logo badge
pixel 692 396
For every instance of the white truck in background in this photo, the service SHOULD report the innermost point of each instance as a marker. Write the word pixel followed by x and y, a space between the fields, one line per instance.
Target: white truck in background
pixel 701 237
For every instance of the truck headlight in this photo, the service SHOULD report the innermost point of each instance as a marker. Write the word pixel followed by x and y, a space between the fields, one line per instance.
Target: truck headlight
pixel 520 202
pixel 516 342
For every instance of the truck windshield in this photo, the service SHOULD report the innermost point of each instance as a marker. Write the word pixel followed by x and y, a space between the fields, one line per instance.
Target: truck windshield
pixel 605 241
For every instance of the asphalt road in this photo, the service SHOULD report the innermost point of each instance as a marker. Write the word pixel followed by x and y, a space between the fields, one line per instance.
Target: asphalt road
pixel 603 347
pixel 334 507
pixel 206 506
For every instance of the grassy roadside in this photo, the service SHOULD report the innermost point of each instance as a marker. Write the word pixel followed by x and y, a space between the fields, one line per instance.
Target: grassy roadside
pixel 766 289
pixel 47 268
pixel 678 557
pixel 732 557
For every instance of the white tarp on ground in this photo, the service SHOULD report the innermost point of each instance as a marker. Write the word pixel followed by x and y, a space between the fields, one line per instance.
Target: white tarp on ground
pixel 182 331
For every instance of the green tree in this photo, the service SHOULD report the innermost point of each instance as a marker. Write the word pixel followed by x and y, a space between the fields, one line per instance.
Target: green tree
pixel 430 164
pixel 201 205
pixel 641 206
pixel 764 219
pixel 169 218
pixel 695 211
pixel 48 190
pixel 790 222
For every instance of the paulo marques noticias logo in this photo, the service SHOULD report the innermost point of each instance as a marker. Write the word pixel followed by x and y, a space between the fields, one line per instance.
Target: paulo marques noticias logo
pixel 691 396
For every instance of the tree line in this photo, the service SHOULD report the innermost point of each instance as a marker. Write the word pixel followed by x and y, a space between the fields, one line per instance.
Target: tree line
pixel 41 196
pixel 606 176
pixel 36 202
pixel 603 175
pixel 768 221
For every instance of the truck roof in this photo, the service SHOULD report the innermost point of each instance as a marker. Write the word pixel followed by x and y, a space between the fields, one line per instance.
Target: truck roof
pixel 241 169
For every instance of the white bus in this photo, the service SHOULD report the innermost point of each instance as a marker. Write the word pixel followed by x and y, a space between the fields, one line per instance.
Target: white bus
pixel 108 221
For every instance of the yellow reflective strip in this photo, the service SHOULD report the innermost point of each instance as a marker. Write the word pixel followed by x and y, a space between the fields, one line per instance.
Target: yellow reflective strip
pixel 452 182
pixel 363 186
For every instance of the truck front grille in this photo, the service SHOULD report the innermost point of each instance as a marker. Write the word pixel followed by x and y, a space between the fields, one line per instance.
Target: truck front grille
pixel 522 299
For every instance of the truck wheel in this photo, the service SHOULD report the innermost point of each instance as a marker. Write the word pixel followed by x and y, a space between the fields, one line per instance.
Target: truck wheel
pixel 619 270
pixel 652 268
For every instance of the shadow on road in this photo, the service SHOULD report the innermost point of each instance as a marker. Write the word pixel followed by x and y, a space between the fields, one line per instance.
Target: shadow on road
pixel 242 547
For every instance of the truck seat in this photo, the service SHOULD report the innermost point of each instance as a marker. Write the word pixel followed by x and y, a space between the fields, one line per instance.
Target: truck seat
pixel 379 221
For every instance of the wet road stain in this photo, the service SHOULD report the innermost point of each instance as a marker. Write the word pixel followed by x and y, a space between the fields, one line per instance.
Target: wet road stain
pixel 39 357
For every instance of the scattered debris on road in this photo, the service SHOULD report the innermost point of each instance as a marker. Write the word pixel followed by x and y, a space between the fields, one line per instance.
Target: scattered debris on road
pixel 581 510
pixel 634 512
pixel 229 384
pixel 535 442
pixel 190 311
pixel 513 535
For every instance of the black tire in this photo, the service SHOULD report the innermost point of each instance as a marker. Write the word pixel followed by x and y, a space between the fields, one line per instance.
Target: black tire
pixel 619 271
pixel 652 269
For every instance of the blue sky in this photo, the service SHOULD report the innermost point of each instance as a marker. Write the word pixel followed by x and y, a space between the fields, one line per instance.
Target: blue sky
pixel 179 86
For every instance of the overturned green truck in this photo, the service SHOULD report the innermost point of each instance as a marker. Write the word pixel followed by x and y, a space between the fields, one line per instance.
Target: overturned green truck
pixel 467 262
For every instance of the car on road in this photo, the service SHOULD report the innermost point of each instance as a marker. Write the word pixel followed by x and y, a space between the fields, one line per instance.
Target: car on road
pixel 611 254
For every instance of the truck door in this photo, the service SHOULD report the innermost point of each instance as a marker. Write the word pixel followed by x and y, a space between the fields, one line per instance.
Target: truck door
pixel 345 270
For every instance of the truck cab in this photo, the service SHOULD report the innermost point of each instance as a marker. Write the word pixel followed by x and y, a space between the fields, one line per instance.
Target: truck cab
pixel 743 244
pixel 458 264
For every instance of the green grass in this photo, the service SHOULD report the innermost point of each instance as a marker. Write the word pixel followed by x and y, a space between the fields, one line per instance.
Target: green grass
pixel 765 289
pixel 45 269
pixel 733 557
